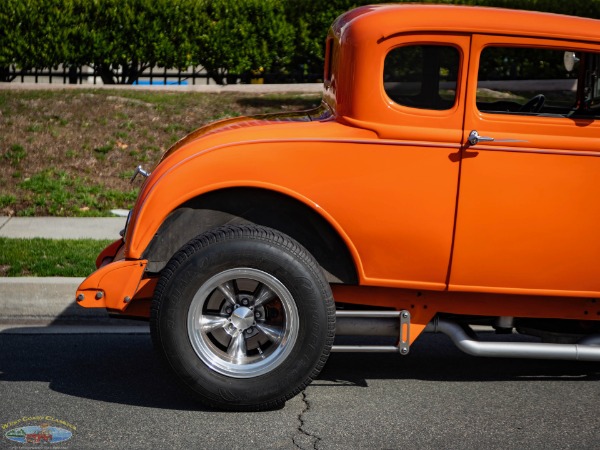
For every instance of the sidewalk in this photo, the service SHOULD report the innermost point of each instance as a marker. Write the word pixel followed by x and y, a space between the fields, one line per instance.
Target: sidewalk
pixel 43 301
pixel 61 227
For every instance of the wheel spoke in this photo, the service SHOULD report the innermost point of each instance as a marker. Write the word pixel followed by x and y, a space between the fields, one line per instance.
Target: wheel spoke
pixel 273 333
pixel 209 324
pixel 237 346
pixel 265 295
pixel 228 290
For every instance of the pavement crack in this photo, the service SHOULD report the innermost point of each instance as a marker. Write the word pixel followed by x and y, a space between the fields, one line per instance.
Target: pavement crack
pixel 304 439
pixel 2 225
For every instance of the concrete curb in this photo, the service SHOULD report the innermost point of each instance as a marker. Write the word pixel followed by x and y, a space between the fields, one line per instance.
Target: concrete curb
pixel 30 305
pixel 43 299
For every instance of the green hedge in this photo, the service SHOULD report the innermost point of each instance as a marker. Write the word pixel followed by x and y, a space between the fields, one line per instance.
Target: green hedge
pixel 280 37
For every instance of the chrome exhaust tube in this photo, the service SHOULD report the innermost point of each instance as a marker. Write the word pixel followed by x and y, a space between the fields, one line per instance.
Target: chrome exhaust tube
pixel 373 323
pixel 530 350
pixel 367 323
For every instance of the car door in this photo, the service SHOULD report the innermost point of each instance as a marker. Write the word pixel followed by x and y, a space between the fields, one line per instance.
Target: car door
pixel 409 175
pixel 529 210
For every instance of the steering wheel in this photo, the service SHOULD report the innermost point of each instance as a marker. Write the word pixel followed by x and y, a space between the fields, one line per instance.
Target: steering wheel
pixel 534 104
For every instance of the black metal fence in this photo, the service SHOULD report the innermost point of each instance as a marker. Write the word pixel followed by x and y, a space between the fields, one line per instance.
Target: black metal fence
pixel 152 76
pixel 87 75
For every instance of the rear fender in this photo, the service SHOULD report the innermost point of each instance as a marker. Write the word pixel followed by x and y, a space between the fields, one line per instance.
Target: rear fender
pixel 108 254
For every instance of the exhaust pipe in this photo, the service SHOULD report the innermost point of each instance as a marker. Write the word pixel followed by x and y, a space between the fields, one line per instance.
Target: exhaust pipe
pixel 390 323
pixel 530 350
pixel 373 323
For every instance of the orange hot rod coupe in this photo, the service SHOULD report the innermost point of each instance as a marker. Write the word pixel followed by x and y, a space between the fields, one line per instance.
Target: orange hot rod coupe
pixel 450 177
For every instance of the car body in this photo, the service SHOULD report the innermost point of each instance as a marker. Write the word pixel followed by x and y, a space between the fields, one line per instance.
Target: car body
pixel 450 177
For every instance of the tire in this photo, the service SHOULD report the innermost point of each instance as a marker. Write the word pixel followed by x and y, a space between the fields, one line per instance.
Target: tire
pixel 244 317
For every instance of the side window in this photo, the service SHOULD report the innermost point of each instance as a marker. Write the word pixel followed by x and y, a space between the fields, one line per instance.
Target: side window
pixel 422 76
pixel 531 81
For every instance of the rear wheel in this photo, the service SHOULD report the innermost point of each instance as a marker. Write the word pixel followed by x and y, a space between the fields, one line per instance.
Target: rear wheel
pixel 244 317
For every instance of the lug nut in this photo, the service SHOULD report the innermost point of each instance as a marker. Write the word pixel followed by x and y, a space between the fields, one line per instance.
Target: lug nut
pixel 257 315
pixel 228 310
pixel 249 330
pixel 245 302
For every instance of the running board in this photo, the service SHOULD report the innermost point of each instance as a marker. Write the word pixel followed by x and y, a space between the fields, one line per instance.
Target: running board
pixel 373 323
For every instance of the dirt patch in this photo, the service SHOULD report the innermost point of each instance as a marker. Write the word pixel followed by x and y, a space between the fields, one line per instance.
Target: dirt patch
pixel 72 153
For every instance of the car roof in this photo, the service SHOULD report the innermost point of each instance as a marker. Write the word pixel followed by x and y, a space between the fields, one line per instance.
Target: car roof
pixel 380 22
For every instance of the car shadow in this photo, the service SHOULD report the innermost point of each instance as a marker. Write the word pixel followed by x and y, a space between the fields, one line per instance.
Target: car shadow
pixel 124 369
pixel 114 368
pixel 433 357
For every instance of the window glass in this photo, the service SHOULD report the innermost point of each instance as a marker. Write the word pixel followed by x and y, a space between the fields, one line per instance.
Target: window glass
pixel 590 63
pixel 532 81
pixel 422 76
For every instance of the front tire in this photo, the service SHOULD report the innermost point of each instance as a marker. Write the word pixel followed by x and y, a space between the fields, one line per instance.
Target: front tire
pixel 244 317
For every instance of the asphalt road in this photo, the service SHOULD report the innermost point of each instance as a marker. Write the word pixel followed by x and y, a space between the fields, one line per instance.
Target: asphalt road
pixel 112 389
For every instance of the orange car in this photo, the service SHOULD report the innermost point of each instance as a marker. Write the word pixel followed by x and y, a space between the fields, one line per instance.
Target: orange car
pixel 451 177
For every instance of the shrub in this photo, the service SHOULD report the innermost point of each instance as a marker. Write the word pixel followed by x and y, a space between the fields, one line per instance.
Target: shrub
pixel 122 38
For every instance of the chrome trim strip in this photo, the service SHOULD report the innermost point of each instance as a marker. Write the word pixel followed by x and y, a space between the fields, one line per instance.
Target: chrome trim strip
pixel 490 148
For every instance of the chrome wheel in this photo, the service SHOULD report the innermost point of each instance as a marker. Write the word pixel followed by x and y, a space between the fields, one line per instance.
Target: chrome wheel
pixel 243 322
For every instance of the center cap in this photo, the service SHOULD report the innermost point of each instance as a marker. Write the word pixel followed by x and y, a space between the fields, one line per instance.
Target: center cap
pixel 242 318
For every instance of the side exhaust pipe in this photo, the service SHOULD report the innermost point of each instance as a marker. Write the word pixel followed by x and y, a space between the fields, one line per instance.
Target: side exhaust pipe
pixel 530 350
pixel 397 323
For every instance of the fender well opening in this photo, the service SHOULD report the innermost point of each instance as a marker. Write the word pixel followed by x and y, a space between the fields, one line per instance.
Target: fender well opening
pixel 253 206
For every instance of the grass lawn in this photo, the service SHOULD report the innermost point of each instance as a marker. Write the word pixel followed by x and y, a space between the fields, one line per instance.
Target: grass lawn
pixel 48 257
pixel 71 153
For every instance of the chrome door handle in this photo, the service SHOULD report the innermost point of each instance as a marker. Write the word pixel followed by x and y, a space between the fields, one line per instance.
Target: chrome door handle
pixel 475 139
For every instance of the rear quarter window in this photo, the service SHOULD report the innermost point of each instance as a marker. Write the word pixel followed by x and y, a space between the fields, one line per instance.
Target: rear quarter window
pixel 422 76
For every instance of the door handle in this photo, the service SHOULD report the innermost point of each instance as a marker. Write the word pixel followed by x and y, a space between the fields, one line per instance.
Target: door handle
pixel 475 139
